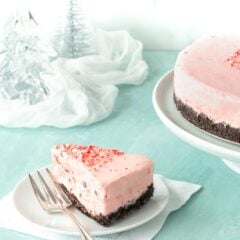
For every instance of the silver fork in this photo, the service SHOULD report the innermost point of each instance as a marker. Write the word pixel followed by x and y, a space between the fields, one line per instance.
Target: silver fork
pixel 53 200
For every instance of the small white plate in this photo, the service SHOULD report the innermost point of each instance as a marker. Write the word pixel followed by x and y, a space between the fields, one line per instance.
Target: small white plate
pixel 27 205
pixel 166 110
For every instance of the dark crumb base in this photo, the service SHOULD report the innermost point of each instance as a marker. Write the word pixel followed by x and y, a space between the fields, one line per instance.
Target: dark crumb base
pixel 202 121
pixel 122 212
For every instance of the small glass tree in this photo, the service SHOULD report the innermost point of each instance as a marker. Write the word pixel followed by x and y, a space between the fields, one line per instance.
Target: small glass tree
pixel 76 37
pixel 23 60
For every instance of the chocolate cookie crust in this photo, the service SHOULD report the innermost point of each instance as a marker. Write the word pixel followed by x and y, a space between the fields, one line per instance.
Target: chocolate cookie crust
pixel 204 122
pixel 119 214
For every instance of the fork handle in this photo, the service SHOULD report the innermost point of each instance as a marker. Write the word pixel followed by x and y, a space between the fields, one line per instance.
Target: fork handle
pixel 84 233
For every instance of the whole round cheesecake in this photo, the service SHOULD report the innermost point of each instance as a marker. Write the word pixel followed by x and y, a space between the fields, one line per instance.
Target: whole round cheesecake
pixel 207 85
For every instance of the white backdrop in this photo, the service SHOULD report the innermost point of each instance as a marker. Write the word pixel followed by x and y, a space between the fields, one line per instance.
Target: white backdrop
pixel 159 24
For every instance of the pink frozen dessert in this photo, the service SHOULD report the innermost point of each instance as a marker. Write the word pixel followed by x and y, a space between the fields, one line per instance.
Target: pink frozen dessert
pixel 207 85
pixel 105 184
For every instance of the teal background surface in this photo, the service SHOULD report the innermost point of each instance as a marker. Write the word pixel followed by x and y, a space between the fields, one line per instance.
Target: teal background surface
pixel 213 213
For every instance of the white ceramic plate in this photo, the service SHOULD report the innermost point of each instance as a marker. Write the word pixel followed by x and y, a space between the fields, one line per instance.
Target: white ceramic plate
pixel 27 205
pixel 166 110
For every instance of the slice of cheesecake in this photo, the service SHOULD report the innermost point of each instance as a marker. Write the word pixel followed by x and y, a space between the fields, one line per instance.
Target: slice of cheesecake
pixel 105 184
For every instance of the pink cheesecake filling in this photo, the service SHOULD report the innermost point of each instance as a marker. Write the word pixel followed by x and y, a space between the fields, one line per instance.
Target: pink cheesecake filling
pixel 102 180
pixel 207 78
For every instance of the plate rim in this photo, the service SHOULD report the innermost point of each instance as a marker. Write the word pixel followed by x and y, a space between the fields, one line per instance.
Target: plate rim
pixel 184 134
pixel 76 233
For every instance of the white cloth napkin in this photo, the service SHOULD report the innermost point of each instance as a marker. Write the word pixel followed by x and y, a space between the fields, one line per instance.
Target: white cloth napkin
pixel 179 193
pixel 82 90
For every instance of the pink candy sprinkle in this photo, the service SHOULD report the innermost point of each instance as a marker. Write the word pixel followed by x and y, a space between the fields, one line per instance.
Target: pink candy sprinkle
pixel 235 60
pixel 91 155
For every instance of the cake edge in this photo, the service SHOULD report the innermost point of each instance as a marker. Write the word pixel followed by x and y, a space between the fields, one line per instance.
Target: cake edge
pixel 121 213
pixel 204 122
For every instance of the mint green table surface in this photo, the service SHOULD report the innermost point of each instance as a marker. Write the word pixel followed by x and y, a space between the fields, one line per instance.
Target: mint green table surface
pixel 213 213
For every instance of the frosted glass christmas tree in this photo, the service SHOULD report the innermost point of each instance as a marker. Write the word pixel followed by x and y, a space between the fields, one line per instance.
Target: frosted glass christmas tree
pixel 23 60
pixel 75 37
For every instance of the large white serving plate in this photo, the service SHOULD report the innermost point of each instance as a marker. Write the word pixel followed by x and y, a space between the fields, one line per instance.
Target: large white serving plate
pixel 166 110
pixel 26 204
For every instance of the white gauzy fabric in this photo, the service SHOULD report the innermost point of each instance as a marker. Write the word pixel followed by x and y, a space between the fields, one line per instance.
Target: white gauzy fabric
pixel 82 90
pixel 179 193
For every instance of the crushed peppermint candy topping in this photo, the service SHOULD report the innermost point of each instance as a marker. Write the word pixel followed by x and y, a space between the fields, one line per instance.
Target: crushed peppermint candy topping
pixel 235 60
pixel 89 155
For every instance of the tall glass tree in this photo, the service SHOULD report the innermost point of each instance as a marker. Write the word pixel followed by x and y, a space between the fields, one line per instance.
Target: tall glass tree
pixel 23 60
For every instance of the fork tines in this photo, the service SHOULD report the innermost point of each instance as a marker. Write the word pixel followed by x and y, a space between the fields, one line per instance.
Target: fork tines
pixel 49 194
